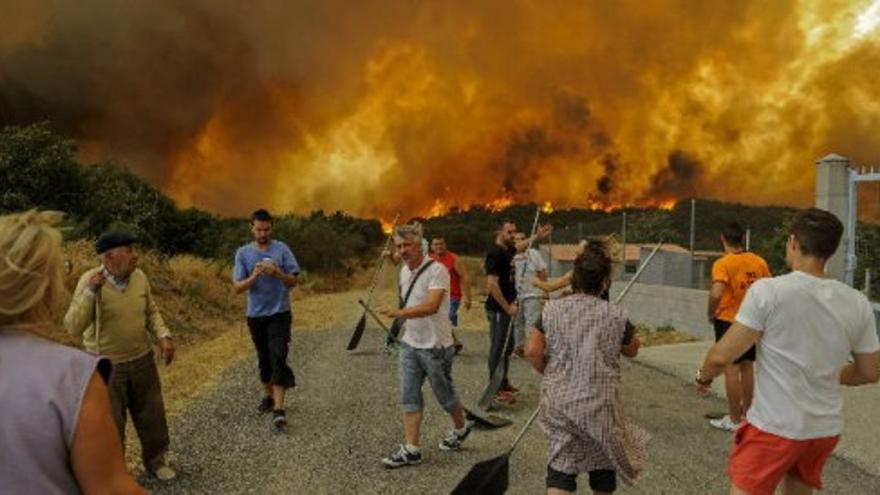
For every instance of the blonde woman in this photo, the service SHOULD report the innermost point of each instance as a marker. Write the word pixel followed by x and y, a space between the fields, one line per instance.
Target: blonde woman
pixel 56 431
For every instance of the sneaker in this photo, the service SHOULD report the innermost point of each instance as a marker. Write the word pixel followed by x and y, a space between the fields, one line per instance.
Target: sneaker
pixel 454 438
pixel 402 457
pixel 510 389
pixel 725 423
pixel 163 471
pixel 504 397
pixel 266 405
pixel 279 419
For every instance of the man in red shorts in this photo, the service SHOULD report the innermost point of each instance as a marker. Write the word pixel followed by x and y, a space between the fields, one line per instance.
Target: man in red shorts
pixel 813 334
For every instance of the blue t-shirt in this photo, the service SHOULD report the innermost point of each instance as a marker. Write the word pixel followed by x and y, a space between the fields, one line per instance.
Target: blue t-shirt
pixel 268 295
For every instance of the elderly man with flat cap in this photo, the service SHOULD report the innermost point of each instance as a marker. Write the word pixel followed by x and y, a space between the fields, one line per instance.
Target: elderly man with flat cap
pixel 114 312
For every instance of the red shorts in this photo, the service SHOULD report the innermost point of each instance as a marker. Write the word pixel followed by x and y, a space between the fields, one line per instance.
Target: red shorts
pixel 759 459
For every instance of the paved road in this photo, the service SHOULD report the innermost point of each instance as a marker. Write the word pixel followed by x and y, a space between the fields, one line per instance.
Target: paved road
pixel 344 418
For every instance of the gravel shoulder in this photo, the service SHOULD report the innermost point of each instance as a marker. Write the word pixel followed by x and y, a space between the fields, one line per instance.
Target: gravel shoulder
pixel 343 417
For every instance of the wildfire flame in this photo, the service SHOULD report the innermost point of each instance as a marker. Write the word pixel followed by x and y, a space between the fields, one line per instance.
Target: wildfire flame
pixel 500 203
pixel 667 205
pixel 419 103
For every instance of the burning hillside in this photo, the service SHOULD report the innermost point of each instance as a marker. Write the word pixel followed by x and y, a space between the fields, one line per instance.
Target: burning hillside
pixel 425 106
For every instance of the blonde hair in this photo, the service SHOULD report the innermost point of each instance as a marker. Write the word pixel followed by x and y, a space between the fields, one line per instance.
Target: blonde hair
pixel 31 268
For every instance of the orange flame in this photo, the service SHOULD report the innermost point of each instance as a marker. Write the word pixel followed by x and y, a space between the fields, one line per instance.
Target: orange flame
pixel 500 203
pixel 437 209
pixel 667 205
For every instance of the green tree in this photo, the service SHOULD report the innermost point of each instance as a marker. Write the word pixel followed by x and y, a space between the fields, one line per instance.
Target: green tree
pixel 38 169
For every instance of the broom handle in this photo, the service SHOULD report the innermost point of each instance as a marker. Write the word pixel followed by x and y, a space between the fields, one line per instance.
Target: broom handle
pixel 381 260
pixel 638 273
pixel 525 427
pixel 616 300
pixel 535 223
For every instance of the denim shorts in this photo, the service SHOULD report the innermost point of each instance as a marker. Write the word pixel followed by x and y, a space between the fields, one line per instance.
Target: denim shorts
pixel 434 364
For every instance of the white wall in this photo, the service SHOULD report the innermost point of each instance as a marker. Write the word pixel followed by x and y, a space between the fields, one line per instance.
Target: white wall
pixel 662 305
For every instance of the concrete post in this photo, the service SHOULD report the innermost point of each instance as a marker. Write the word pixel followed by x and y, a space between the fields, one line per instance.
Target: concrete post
pixel 832 194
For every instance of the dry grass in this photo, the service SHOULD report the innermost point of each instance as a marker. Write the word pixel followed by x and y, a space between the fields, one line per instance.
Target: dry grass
pixel 196 299
pixel 661 336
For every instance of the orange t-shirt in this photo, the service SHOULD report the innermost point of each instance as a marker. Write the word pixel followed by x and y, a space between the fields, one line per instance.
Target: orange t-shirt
pixel 737 271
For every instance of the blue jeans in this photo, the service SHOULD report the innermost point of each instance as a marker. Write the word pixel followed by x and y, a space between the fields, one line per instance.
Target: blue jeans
pixel 435 364
pixel 454 304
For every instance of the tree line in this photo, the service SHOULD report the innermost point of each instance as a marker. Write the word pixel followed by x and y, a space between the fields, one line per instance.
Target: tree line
pixel 39 169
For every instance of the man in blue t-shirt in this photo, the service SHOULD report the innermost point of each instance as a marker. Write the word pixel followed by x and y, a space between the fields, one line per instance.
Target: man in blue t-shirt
pixel 267 269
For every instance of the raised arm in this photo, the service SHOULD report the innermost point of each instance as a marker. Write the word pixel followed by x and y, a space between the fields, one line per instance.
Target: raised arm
pixel 81 312
pixel 553 284
pixel 543 232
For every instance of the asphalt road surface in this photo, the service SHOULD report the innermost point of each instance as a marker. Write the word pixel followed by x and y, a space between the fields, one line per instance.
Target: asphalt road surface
pixel 344 417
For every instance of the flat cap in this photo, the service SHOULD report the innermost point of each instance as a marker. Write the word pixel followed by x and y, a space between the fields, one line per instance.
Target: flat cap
pixel 110 240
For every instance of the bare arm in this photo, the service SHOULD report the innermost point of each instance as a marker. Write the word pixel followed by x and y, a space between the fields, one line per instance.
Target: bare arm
pixel 543 232
pixel 96 454
pixel 289 279
pixel 715 294
pixel 495 293
pixel 465 281
pixel 735 342
pixel 427 308
pixel 534 351
pixel 863 370
pixel 245 284
pixel 552 284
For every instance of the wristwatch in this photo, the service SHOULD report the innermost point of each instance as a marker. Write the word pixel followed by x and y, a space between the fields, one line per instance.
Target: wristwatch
pixel 700 380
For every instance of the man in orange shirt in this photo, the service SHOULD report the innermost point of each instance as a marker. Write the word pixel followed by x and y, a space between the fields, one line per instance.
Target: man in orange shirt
pixel 732 274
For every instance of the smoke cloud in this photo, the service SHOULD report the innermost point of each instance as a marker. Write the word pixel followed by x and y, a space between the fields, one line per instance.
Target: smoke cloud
pixel 371 107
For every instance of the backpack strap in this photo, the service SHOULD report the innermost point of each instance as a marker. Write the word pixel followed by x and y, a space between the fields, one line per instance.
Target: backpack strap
pixel 412 283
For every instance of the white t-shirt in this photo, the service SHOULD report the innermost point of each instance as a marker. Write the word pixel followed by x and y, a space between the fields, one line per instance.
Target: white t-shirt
pixel 810 327
pixel 432 330
pixel 527 264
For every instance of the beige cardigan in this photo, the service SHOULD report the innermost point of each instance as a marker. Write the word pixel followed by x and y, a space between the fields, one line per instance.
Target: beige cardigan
pixel 127 321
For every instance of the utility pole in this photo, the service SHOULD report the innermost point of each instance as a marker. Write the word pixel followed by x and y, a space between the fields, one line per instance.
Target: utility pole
pixel 623 243
pixel 693 233
pixel 748 239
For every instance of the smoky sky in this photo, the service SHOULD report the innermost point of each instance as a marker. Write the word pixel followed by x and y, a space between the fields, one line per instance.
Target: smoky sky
pixel 371 107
